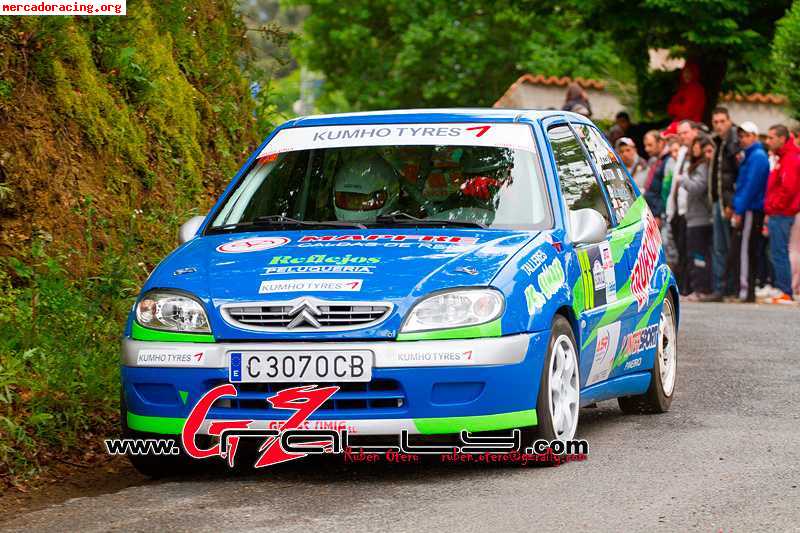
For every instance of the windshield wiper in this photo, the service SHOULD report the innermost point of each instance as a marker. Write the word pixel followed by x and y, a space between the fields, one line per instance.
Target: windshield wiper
pixel 280 219
pixel 405 219
pixel 283 222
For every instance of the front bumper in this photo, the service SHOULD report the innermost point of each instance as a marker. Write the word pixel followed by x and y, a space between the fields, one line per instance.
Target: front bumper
pixel 413 387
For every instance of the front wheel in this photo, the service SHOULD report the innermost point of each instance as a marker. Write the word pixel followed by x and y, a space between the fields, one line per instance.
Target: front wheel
pixel 658 397
pixel 559 390
pixel 155 466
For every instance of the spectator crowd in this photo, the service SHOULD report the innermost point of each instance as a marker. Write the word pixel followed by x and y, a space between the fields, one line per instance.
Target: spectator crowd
pixel 728 201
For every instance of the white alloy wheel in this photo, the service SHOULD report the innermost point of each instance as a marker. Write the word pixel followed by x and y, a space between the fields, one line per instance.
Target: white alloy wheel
pixel 564 388
pixel 667 342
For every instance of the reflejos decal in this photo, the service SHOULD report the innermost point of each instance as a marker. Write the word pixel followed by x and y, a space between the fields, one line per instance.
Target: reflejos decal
pixel 518 136
pixel 321 264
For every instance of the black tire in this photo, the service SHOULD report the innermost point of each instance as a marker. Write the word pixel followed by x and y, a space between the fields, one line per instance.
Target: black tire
pixel 655 400
pixel 545 428
pixel 156 466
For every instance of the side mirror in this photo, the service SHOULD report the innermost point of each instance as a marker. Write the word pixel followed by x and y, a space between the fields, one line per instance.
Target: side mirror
pixel 587 226
pixel 189 229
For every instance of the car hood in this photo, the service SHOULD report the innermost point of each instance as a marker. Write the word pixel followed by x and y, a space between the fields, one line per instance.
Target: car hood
pixel 397 266
pixel 374 264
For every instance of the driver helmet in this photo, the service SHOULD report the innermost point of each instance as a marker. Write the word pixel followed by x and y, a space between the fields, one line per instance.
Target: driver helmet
pixel 365 188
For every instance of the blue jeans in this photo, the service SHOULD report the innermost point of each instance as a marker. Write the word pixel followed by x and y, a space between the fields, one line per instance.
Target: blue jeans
pixel 723 280
pixel 779 229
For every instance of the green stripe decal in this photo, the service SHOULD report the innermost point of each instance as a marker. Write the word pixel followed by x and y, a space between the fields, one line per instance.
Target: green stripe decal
pixel 426 426
pixel 490 329
pixel 635 212
pixel 155 424
pixel 141 333
pixel 659 299
pixel 613 311
pixel 621 239
pixel 454 424
pixel 588 279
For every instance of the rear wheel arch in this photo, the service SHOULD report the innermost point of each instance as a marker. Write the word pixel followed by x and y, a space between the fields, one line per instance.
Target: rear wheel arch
pixel 673 291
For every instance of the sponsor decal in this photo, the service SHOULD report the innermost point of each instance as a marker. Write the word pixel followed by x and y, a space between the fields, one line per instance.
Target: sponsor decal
pixel 598 275
pixel 373 244
pixel 637 342
pixel 605 254
pixel 605 348
pixel 457 355
pixel 321 264
pixel 319 269
pixel 413 238
pixel 534 299
pixel 608 270
pixel 633 363
pixel 646 260
pixel 169 357
pixel 640 340
pixel 311 285
pixel 551 278
pixel 516 136
pixel 322 258
pixel 534 262
pixel 253 244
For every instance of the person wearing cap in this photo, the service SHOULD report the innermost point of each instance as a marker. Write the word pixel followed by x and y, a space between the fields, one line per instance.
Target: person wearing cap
pixel 748 207
pixel 636 165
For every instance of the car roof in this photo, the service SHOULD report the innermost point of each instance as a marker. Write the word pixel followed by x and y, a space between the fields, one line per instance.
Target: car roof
pixel 477 114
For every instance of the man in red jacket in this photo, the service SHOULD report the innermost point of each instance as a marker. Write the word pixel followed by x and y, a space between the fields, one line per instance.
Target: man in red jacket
pixel 781 204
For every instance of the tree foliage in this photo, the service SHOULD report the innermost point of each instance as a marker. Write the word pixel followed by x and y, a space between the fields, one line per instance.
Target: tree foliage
pixel 728 38
pixel 786 57
pixel 406 53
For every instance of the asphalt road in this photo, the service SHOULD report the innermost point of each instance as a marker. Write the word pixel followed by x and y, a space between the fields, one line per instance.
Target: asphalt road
pixel 725 458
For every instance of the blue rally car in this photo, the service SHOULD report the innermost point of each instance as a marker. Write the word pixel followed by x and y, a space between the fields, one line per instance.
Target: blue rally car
pixel 475 269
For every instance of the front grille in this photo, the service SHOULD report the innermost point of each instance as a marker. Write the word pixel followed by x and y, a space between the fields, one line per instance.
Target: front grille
pixel 385 395
pixel 305 314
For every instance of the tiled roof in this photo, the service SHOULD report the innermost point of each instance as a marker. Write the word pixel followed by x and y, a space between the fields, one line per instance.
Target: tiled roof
pixel 588 83
pixel 755 98
pixel 540 79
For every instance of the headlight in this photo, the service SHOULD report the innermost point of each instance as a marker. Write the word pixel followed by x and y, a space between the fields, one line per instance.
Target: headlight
pixel 172 312
pixel 454 309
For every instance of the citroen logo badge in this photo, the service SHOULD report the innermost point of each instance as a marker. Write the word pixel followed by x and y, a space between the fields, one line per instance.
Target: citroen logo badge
pixel 304 313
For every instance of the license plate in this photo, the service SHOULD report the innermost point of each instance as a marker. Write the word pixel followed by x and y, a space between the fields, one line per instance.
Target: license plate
pixel 300 367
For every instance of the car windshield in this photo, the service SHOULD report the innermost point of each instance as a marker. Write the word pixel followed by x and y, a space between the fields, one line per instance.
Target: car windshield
pixel 384 186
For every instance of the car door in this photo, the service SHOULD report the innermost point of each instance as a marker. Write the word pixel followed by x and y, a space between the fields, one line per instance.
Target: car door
pixel 633 269
pixel 594 292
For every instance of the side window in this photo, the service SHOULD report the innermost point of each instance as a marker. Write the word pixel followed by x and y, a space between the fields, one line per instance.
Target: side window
pixel 620 190
pixel 578 182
